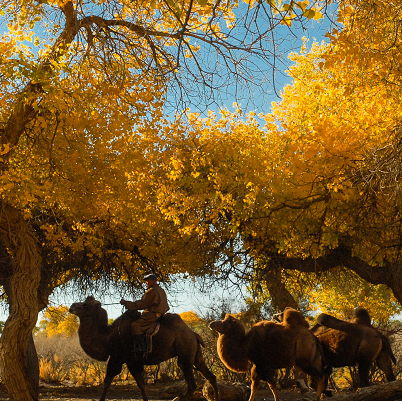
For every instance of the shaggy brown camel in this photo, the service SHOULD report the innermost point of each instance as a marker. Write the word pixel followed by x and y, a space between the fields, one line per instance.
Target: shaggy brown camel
pixel 174 338
pixel 269 346
pixel 355 342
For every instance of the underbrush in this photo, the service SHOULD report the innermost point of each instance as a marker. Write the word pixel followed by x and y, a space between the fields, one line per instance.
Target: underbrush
pixel 62 359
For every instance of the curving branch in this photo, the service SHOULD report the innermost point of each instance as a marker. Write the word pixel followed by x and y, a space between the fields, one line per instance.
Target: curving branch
pixel 342 256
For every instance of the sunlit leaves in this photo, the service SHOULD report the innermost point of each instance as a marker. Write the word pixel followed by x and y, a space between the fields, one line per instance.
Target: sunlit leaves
pixel 340 292
pixel 191 318
pixel 296 9
pixel 58 321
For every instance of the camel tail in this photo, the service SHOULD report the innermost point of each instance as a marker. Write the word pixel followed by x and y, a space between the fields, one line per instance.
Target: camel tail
pixel 199 339
pixel 388 348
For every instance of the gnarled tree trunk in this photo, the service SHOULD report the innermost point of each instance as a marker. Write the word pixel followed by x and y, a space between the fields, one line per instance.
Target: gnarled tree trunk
pixel 381 392
pixel 22 290
pixel 281 297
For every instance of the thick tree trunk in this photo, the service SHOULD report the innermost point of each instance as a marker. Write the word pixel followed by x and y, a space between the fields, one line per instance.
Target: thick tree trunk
pixel 383 392
pixel 23 293
pixel 281 297
pixel 33 365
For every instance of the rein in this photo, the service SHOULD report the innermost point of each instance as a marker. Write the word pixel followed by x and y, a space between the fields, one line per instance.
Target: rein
pixel 390 331
pixel 399 332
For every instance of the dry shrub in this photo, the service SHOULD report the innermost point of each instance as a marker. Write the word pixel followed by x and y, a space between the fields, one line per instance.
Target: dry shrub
pixel 164 372
pixel 52 370
pixel 62 358
pixel 84 373
pixel 68 349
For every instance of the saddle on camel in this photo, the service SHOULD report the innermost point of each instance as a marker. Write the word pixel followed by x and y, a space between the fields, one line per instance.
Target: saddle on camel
pixel 154 305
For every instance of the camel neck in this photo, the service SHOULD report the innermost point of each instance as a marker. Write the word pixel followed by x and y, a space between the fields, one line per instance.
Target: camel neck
pixel 93 335
pixel 232 349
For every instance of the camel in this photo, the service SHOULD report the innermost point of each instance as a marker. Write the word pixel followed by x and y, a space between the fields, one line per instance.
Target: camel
pixel 350 343
pixel 269 346
pixel 355 342
pixel 115 342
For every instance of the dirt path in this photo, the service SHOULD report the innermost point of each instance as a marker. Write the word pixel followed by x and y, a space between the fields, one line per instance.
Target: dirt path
pixel 126 392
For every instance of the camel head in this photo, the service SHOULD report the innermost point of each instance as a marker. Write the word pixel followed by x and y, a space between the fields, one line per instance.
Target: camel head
pixel 361 316
pixel 229 325
pixel 231 344
pixel 324 319
pixel 87 307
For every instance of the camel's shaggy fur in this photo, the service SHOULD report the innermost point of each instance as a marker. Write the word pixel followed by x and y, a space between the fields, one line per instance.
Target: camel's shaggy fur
pixel 174 338
pixel 355 342
pixel 269 346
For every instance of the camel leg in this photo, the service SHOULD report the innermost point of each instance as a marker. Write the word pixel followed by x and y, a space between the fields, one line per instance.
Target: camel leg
pixel 319 379
pixel 364 371
pixel 188 373
pixel 384 362
pixel 255 384
pixel 263 373
pixel 138 373
pixel 113 369
pixel 201 366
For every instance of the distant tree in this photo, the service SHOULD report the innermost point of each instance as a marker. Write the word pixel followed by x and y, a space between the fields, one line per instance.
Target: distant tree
pixel 58 320
pixel 191 318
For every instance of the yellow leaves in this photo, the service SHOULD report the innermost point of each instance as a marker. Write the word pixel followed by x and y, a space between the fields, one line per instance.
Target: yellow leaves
pixel 58 321
pixel 176 168
pixel 41 122
pixel 302 5
pixel 329 119
pixel 289 11
pixel 191 318
pixel 4 149
pixel 202 3
pixel 341 292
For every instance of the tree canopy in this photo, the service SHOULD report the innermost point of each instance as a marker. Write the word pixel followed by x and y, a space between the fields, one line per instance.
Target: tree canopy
pixel 307 191
pixel 98 182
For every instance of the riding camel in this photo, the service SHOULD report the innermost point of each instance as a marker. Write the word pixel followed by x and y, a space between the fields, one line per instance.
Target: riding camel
pixel 269 346
pixel 114 342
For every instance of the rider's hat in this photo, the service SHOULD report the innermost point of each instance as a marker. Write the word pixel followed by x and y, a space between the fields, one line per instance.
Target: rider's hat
pixel 150 277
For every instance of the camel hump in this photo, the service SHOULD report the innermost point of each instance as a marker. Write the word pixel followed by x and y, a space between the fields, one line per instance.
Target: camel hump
pixel 171 319
pixel 292 317
pixel 362 316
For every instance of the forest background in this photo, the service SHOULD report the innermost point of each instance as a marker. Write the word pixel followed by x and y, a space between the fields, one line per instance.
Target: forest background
pixel 115 160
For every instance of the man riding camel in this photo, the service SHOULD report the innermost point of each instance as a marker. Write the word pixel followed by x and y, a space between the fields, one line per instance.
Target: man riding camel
pixel 154 304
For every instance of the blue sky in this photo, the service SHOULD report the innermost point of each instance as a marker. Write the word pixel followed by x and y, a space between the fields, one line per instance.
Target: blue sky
pixel 184 296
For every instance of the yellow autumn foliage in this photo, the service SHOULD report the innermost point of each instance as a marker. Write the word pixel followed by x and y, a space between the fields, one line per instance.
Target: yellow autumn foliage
pixel 58 321
pixel 191 318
